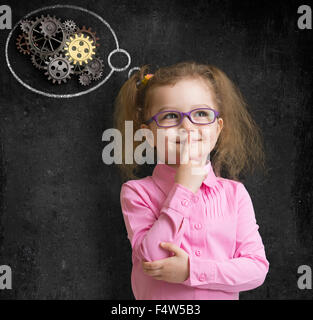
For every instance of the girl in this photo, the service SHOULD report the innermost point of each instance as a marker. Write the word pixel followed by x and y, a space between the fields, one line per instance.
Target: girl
pixel 193 233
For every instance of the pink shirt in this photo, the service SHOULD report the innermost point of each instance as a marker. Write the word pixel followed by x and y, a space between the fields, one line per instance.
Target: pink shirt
pixel 218 231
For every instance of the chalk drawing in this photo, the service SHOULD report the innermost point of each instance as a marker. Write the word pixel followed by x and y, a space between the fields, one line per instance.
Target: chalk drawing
pixel 52 95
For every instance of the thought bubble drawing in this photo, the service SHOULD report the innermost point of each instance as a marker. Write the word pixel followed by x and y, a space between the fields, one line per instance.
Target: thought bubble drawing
pixel 63 47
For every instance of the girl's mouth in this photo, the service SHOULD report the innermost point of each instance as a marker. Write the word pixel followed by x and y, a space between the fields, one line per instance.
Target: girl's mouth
pixel 192 141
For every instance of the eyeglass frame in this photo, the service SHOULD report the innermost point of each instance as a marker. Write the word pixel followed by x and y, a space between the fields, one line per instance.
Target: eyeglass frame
pixel 182 115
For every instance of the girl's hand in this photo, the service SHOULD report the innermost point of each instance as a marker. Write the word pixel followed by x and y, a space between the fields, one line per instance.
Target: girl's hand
pixel 174 269
pixel 191 172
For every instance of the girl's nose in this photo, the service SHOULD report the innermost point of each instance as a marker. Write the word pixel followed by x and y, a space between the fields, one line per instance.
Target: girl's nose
pixel 187 124
pixel 187 128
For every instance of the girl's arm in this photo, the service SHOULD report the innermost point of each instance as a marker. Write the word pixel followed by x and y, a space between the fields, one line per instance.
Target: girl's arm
pixel 145 230
pixel 249 266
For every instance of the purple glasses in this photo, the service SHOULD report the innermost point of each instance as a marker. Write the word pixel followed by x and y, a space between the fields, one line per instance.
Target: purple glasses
pixel 173 118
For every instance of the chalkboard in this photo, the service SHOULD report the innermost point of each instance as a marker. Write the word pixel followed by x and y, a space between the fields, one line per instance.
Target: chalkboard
pixel 61 226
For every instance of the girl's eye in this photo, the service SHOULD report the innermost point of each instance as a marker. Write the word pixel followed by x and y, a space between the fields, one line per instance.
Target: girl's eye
pixel 170 116
pixel 201 114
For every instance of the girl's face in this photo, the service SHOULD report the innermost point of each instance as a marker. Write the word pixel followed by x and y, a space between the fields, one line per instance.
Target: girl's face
pixel 184 96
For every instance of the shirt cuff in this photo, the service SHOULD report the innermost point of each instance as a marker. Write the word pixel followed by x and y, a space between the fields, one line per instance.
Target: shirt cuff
pixel 182 200
pixel 201 272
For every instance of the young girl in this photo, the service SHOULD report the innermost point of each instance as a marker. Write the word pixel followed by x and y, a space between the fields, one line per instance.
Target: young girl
pixel 193 233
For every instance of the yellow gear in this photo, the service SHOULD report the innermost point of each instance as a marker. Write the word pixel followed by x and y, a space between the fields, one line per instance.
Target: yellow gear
pixel 79 49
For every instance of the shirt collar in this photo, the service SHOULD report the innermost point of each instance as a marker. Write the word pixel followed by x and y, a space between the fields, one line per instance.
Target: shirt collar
pixel 164 176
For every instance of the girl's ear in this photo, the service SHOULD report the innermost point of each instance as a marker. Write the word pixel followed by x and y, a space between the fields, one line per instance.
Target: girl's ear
pixel 220 125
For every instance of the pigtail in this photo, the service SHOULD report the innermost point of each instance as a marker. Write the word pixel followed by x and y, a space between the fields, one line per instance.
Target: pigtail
pixel 240 147
pixel 129 106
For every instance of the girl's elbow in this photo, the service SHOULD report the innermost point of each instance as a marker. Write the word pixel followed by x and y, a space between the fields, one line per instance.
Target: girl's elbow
pixel 263 270
pixel 258 280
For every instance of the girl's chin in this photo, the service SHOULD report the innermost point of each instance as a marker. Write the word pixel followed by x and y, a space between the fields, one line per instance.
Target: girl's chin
pixel 177 157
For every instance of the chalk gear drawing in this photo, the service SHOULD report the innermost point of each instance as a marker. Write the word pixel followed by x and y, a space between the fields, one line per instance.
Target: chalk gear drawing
pixel 79 49
pixel 59 69
pixel 61 49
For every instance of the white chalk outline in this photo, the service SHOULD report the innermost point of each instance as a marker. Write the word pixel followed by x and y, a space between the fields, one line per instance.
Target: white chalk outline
pixel 52 95
pixel 131 70
pixel 119 50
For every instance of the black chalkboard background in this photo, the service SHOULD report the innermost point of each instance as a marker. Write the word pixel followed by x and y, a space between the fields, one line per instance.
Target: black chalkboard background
pixel 61 225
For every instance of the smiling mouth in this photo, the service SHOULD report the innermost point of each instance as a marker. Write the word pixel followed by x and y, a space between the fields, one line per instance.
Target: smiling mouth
pixel 178 142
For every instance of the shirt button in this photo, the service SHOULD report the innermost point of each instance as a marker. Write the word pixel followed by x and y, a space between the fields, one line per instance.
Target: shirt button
pixel 185 203
pixel 198 226
pixel 195 199
pixel 198 253
pixel 202 277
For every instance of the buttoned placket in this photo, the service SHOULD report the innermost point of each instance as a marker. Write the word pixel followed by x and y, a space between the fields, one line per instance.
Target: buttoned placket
pixel 198 216
pixel 197 228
